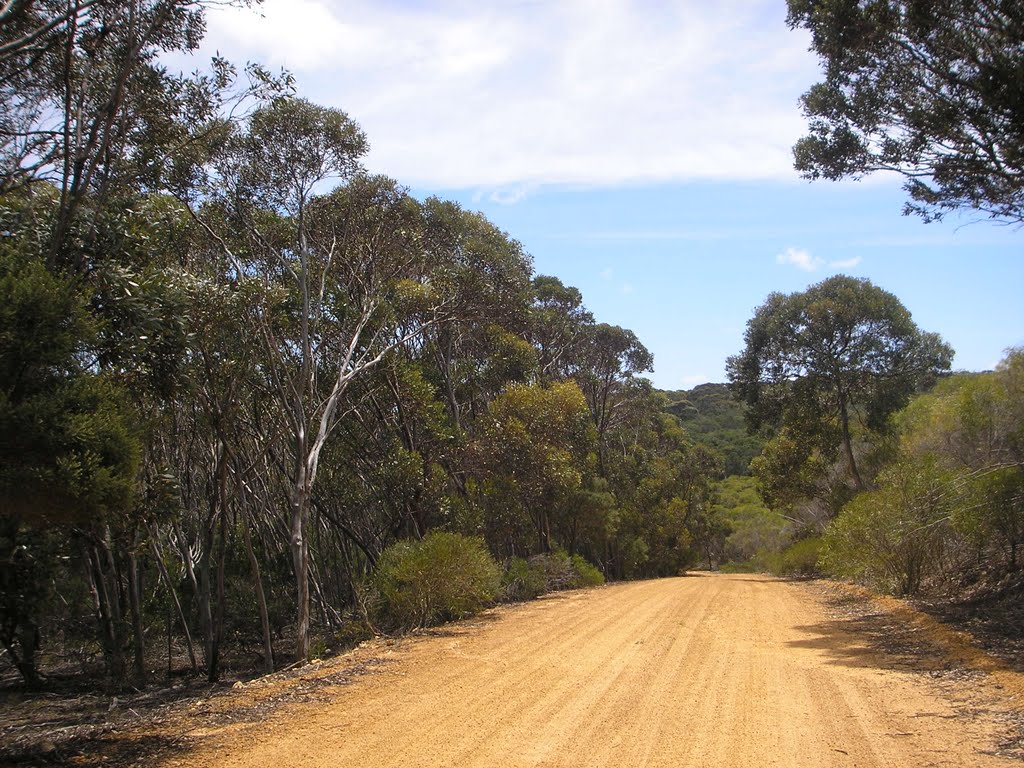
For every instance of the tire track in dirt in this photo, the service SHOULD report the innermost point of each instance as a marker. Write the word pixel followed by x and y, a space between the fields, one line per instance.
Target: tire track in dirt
pixel 722 671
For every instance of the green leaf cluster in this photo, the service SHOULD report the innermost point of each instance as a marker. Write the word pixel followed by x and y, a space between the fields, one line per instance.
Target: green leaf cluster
pixel 930 90
pixel 442 577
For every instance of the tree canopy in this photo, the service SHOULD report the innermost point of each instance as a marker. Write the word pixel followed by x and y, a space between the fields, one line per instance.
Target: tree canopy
pixel 930 90
pixel 237 370
pixel 820 364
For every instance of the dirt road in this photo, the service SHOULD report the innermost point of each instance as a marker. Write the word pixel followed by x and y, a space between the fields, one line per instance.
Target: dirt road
pixel 714 671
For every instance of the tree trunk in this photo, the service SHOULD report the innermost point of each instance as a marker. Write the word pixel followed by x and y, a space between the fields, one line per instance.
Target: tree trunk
pixel 24 655
pixel 162 570
pixel 848 444
pixel 218 626
pixel 138 631
pixel 210 649
pixel 300 561
pixel 108 614
pixel 261 598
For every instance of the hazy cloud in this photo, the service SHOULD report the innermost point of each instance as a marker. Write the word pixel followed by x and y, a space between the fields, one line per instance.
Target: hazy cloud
pixel 508 95
pixel 800 258
pixel 510 196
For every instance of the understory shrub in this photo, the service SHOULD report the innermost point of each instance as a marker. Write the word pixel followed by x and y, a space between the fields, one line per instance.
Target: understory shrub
pixel 587 575
pixel 798 559
pixel 442 577
pixel 550 572
pixel 894 538
pixel 523 580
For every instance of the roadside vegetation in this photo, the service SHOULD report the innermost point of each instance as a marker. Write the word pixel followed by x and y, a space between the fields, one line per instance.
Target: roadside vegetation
pixel 907 481
pixel 256 402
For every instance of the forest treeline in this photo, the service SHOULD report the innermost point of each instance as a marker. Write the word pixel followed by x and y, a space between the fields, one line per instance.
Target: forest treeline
pixel 256 402
pixel 251 393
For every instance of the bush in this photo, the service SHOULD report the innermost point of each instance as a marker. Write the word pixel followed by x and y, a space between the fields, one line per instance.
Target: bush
pixel 523 580
pixel 551 572
pixel 445 576
pixel 564 572
pixel 895 538
pixel 798 559
pixel 587 575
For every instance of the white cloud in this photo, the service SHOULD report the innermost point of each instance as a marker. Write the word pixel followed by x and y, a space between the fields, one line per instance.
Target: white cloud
pixel 803 259
pixel 800 258
pixel 455 94
pixel 606 273
pixel 628 288
pixel 510 196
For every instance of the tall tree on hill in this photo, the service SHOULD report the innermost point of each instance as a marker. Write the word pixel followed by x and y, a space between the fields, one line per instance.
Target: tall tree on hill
pixel 841 353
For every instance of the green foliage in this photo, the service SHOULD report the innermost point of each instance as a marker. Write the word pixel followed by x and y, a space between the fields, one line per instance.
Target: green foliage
pixel 68 450
pixel 896 537
pixel 972 426
pixel 587 575
pixel 535 448
pixel 557 321
pixel 442 577
pixel 302 142
pixel 931 90
pixel 664 518
pixel 562 571
pixel 713 417
pixel 816 366
pixel 801 558
pixel 951 505
pixel 523 579
pixel 755 531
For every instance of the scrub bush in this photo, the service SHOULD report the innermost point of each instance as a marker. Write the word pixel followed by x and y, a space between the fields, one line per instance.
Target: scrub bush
pixel 444 576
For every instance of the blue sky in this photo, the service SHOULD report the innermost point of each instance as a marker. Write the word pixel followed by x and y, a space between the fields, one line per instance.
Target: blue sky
pixel 640 151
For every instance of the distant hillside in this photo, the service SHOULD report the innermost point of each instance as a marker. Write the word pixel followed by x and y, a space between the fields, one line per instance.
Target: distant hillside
pixel 714 418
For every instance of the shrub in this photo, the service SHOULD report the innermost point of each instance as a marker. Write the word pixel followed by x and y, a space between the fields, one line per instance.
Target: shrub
pixel 894 538
pixel 523 580
pixel 444 576
pixel 564 572
pixel 550 572
pixel 798 559
pixel 587 575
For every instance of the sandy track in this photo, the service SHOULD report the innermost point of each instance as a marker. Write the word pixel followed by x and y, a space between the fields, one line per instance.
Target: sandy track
pixel 715 671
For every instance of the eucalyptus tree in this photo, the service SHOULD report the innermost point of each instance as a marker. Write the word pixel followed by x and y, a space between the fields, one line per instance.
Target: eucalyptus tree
pixel 558 326
pixel 89 107
pixel 481 346
pixel 928 90
pixel 69 450
pixel 346 276
pixel 532 457
pixel 611 357
pixel 821 365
